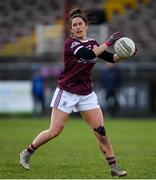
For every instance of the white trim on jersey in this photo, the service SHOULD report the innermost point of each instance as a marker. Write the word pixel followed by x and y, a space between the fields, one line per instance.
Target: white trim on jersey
pixel 90 39
pixel 85 40
pixel 77 49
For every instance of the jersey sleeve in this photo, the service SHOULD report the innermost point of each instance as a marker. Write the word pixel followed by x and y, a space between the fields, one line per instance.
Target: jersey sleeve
pixel 96 44
pixel 72 46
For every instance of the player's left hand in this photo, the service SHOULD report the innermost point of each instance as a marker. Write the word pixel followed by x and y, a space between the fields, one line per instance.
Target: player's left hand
pixel 113 38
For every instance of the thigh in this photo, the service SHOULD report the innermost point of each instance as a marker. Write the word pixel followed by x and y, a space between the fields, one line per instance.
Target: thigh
pixel 58 118
pixel 93 117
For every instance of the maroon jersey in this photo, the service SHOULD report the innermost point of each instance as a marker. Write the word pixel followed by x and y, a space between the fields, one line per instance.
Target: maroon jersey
pixel 77 74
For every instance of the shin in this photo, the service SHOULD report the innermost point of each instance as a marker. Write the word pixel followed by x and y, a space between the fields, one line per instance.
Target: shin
pixel 58 120
pixel 104 142
pixel 45 136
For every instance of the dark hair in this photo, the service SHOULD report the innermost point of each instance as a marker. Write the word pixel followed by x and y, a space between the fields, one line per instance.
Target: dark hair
pixel 78 13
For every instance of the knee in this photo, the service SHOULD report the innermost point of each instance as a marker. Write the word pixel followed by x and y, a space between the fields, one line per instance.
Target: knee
pixel 101 135
pixel 100 130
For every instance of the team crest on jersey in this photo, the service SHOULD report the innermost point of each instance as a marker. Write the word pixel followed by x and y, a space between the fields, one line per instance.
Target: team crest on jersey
pixel 74 44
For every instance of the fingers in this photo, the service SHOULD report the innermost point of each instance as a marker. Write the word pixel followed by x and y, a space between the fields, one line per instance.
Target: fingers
pixel 113 38
pixel 117 35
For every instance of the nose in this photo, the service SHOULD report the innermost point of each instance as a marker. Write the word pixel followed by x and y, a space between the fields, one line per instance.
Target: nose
pixel 78 27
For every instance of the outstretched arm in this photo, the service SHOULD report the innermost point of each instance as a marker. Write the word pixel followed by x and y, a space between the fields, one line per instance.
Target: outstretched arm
pixel 113 38
pixel 100 50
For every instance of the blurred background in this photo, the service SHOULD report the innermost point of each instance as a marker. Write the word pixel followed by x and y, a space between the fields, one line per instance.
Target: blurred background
pixel 32 35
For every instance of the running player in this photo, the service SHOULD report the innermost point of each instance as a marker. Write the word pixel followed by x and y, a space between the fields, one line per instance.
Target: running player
pixel 75 91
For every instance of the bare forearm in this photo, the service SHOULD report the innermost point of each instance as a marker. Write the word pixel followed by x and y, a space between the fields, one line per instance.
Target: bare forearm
pixel 114 37
pixel 98 50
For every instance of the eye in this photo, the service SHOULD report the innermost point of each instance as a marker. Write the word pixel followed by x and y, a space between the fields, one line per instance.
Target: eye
pixel 80 23
pixel 74 25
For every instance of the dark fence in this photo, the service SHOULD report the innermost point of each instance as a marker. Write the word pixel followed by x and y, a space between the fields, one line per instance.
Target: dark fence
pixel 135 96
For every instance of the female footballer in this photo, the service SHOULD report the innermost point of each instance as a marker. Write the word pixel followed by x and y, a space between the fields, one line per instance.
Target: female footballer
pixel 74 91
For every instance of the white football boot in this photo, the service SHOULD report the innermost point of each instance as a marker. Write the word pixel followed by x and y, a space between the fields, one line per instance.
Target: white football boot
pixel 117 171
pixel 24 159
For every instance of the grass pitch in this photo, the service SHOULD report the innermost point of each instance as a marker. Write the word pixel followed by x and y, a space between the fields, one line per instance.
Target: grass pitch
pixel 75 153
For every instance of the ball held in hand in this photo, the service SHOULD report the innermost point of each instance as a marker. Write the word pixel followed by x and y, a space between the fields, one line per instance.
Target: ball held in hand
pixel 125 47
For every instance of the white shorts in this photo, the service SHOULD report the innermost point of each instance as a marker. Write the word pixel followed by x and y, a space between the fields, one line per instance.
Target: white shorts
pixel 69 102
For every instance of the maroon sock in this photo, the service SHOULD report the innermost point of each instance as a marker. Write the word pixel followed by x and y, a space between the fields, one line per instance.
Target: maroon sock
pixel 111 160
pixel 31 148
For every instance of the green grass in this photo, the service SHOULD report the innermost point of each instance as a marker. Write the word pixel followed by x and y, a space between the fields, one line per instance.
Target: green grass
pixel 75 153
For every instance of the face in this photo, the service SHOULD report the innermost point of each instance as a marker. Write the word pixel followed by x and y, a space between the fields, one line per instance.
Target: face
pixel 79 28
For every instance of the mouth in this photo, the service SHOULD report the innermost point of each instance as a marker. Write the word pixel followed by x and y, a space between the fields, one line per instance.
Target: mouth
pixel 79 32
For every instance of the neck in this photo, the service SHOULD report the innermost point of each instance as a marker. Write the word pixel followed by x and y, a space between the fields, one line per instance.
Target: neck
pixel 82 38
